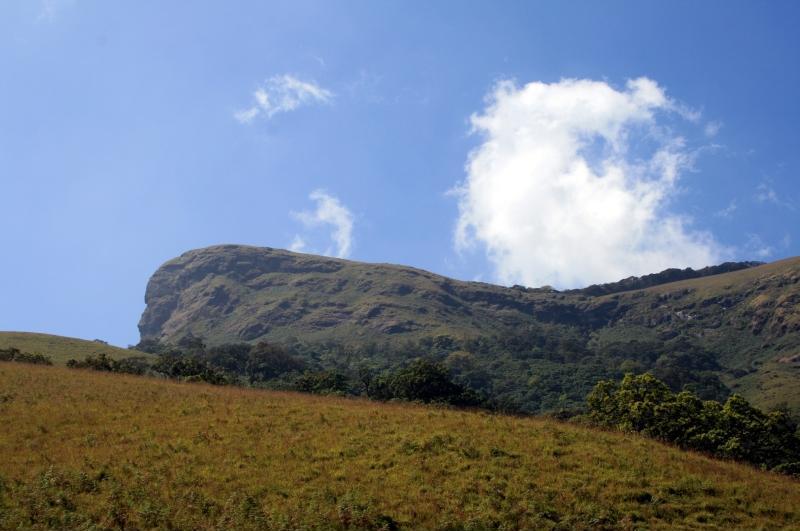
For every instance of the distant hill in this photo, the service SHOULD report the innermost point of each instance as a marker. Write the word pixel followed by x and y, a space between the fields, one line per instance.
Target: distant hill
pixel 740 328
pixel 61 349
pixel 664 277
pixel 86 450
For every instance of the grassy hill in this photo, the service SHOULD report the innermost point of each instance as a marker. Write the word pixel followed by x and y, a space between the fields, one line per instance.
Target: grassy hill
pixel 61 349
pixel 94 450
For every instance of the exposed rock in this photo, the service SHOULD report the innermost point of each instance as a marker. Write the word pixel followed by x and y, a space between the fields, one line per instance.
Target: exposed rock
pixel 232 293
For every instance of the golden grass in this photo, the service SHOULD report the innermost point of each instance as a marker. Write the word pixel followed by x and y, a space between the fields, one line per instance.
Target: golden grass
pixel 81 449
pixel 61 349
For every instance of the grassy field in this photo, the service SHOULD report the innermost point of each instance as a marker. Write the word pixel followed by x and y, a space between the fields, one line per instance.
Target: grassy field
pixel 61 349
pixel 85 450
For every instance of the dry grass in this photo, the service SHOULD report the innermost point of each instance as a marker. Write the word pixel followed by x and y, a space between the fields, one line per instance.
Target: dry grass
pixel 92 450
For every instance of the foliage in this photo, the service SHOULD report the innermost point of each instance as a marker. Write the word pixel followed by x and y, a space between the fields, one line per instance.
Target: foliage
pixel 101 362
pixel 190 368
pixel 13 354
pixel 735 430
pixel 323 383
pixel 538 369
pixel 422 380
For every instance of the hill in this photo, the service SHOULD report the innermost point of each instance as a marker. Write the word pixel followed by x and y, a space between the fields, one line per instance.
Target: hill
pixel 86 449
pixel 61 349
pixel 536 349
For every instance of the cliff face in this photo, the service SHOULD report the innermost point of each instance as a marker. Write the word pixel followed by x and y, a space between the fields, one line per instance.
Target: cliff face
pixel 238 293
pixel 230 293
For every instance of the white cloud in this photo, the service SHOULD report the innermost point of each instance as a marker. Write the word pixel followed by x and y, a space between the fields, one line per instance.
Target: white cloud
pixel 571 182
pixel 728 211
pixel 712 129
pixel 281 94
pixel 298 245
pixel 766 194
pixel 329 212
pixel 755 246
pixel 48 9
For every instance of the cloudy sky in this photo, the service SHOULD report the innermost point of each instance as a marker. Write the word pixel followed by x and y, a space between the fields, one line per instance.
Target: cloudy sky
pixel 560 143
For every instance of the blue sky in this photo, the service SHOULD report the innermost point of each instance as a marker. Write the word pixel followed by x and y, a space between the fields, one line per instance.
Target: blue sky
pixel 516 142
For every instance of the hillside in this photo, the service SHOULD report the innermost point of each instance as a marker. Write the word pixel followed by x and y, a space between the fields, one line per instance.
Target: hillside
pixel 82 449
pixel 539 349
pixel 61 349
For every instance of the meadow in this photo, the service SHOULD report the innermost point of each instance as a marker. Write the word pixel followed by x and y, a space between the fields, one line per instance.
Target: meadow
pixel 90 450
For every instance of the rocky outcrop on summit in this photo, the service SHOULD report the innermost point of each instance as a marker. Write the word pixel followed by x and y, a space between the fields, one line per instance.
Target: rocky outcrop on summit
pixel 238 293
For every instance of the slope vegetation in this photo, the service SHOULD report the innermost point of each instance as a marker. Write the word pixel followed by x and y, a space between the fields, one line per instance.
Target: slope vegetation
pixel 93 450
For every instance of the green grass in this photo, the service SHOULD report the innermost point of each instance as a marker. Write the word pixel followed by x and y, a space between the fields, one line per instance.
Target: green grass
pixel 61 349
pixel 86 450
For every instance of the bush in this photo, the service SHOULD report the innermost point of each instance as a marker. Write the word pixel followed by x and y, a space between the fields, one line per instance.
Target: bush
pixel 735 430
pixel 14 354
pixel 424 381
pixel 267 361
pixel 191 369
pixel 323 382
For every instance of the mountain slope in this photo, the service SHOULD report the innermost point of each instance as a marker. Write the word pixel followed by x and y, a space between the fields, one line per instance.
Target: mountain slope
pixel 740 328
pixel 82 449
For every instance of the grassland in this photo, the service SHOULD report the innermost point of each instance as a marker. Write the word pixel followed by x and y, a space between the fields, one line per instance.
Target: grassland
pixel 86 450
pixel 61 349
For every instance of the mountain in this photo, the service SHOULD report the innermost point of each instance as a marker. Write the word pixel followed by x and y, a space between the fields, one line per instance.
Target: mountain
pixel 733 331
pixel 92 450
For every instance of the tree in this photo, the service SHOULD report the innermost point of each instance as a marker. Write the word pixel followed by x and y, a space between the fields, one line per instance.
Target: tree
pixel 735 430
pixel 267 361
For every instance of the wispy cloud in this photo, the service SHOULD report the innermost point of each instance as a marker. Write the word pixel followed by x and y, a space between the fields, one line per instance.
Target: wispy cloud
pixel 757 247
pixel 49 9
pixel 766 194
pixel 280 94
pixel 331 213
pixel 712 129
pixel 728 211
pixel 562 192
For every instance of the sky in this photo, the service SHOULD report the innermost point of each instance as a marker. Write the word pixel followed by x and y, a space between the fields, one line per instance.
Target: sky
pixel 557 143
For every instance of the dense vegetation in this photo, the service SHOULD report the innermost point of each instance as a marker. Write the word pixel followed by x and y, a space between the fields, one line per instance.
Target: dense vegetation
pixel 95 450
pixel 14 354
pixel 734 430
pixel 543 368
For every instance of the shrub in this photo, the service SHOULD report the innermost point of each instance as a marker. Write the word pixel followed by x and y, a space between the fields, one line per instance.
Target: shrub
pixel 323 382
pixel 14 354
pixel 735 430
